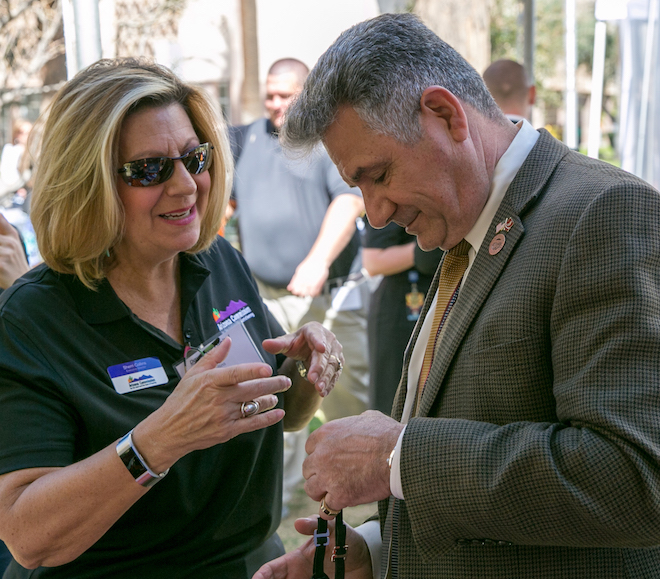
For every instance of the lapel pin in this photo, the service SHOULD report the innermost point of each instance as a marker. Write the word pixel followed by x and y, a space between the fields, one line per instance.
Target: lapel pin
pixel 499 240
pixel 496 244
pixel 505 226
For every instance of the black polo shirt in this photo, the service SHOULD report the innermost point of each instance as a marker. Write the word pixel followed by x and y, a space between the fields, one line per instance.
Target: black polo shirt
pixel 59 405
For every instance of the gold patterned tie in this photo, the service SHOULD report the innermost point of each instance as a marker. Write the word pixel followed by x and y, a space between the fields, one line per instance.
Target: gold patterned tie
pixel 451 274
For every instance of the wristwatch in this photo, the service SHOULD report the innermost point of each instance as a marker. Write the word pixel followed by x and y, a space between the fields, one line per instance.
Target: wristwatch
pixel 135 464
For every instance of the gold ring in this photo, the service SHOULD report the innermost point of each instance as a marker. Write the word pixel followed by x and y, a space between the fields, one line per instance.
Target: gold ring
pixel 340 366
pixel 301 368
pixel 327 510
pixel 249 408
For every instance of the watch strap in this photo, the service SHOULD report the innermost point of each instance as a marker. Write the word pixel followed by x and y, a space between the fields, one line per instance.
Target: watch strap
pixel 135 464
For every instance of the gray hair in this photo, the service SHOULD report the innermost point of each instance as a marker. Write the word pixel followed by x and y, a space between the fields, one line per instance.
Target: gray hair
pixel 381 67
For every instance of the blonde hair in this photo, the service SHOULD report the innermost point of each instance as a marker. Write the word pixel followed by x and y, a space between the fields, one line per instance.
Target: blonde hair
pixel 76 211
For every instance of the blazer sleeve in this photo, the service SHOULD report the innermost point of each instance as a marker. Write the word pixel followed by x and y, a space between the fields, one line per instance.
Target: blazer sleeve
pixel 590 477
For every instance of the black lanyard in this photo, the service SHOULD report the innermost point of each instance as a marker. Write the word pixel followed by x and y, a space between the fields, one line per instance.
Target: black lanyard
pixel 321 539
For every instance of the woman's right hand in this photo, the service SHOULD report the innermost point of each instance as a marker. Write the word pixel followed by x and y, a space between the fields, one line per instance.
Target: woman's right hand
pixel 37 519
pixel 205 408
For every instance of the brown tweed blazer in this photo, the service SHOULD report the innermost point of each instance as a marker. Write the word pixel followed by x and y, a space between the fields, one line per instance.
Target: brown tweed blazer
pixel 537 450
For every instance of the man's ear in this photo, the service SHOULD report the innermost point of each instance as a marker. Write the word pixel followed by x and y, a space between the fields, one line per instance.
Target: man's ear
pixel 442 105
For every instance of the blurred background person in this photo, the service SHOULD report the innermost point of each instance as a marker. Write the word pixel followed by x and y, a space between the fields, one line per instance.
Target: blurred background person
pixel 509 84
pixel 14 167
pixel 297 231
pixel 20 222
pixel 395 304
pixel 13 264
pixel 108 377
pixel 15 185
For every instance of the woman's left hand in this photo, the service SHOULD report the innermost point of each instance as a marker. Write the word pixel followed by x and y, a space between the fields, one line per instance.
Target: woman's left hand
pixel 319 351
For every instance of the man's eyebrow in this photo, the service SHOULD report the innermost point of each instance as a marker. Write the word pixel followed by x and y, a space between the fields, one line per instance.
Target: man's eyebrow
pixel 360 171
pixel 355 179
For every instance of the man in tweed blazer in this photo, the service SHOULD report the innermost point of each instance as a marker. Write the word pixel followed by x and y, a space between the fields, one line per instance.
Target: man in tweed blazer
pixel 535 448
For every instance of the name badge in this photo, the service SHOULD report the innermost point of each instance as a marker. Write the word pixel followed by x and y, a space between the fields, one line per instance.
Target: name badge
pixel 243 349
pixel 137 375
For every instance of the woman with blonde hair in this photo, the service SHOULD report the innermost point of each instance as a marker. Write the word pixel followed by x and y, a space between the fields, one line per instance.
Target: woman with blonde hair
pixel 141 353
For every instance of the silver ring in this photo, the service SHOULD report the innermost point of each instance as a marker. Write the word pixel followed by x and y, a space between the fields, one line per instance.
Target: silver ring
pixel 340 366
pixel 249 408
pixel 327 510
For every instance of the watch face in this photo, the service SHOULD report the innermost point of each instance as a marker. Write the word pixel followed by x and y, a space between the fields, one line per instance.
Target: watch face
pixel 129 458
pixel 134 465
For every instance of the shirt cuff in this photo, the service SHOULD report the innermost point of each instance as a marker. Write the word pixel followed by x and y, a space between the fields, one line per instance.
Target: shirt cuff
pixel 396 488
pixel 370 532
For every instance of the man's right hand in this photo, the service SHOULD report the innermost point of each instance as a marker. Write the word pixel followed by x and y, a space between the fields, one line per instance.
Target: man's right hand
pixel 298 564
pixel 347 460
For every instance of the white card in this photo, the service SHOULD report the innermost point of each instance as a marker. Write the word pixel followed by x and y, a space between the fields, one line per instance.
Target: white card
pixel 243 349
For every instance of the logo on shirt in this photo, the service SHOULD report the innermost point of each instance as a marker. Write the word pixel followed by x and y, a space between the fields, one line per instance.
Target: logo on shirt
pixel 141 381
pixel 236 311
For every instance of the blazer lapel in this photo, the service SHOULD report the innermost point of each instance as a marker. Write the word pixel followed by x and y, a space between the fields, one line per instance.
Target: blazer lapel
pixel 526 187
pixel 482 277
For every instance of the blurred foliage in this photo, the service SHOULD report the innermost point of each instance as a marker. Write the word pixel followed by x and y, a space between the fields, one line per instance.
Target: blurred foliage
pixel 317 420
pixel 141 23
pixel 505 19
pixel 30 36
pixel 586 23
pixel 507 42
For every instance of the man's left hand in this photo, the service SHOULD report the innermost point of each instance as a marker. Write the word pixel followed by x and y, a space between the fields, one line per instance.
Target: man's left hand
pixel 347 462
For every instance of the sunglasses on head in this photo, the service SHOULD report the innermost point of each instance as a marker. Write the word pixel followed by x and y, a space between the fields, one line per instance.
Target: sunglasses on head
pixel 156 170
